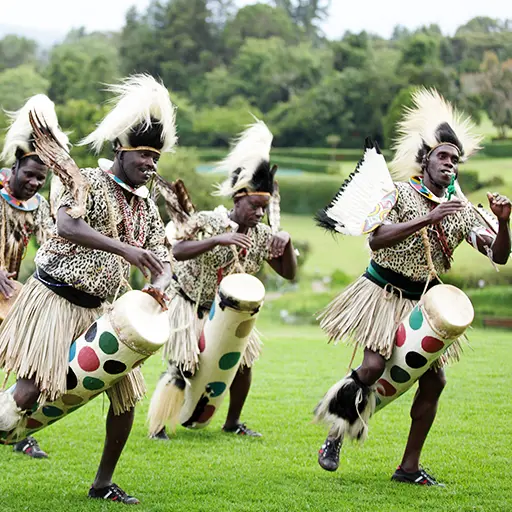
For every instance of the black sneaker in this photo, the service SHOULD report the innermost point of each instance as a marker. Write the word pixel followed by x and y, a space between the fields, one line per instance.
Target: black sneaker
pixel 30 447
pixel 420 477
pixel 112 493
pixel 242 430
pixel 329 454
pixel 160 435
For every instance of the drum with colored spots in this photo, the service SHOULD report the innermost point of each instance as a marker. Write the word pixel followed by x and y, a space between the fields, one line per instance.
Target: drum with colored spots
pixel 443 314
pixel 133 328
pixel 222 345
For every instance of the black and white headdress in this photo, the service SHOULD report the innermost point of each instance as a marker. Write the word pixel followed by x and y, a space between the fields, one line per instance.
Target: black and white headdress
pixel 19 140
pixel 143 117
pixel 430 123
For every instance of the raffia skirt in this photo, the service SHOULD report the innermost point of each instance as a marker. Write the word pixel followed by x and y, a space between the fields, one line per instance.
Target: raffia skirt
pixel 367 316
pixel 34 343
pixel 186 328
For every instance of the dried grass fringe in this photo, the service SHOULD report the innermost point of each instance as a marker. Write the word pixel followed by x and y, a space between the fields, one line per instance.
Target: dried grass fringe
pixel 182 347
pixel 35 338
pixel 367 316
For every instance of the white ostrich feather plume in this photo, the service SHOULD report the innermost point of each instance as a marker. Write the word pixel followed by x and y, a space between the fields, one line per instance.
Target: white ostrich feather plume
pixel 419 125
pixel 20 130
pixel 249 150
pixel 138 99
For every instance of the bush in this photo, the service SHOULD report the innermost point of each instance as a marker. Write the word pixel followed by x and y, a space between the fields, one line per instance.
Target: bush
pixel 498 149
pixel 491 301
pixel 469 181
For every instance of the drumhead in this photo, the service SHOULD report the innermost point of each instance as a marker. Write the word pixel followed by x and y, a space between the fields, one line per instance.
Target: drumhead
pixel 448 310
pixel 170 232
pixel 243 288
pixel 140 316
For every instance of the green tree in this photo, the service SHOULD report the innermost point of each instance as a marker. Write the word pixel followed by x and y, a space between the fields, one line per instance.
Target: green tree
pixel 395 112
pixel 16 51
pixel 19 84
pixel 306 13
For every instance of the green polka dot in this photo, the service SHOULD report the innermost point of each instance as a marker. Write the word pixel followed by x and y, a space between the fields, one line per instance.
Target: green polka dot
pixel 416 318
pixel 227 361
pixel 52 412
pixel 245 328
pixel 216 388
pixel 109 343
pixel 92 383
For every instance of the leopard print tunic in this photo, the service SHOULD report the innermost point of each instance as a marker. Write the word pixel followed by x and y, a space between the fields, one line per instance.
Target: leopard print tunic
pixel 408 257
pixel 96 272
pixel 199 277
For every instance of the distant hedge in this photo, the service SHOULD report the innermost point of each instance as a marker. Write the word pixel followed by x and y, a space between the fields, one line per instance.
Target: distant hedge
pixel 498 149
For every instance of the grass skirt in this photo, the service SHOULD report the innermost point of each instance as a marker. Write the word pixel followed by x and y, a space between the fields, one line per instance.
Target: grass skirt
pixel 366 315
pixel 186 328
pixel 34 343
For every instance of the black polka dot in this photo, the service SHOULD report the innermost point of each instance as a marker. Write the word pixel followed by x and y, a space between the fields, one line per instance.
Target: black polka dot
pixel 399 374
pixel 71 380
pixel 91 333
pixel 415 360
pixel 114 367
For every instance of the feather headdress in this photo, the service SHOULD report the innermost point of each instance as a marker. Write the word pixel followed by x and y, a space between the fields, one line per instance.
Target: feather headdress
pixel 248 163
pixel 143 117
pixel 19 140
pixel 431 122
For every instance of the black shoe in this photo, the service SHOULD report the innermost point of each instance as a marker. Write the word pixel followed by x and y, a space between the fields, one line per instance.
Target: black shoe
pixel 30 447
pixel 112 493
pixel 160 435
pixel 242 430
pixel 329 454
pixel 420 477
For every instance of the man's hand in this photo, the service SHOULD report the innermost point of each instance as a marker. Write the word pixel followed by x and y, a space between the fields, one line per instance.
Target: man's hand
pixel 445 209
pixel 7 287
pixel 278 244
pixel 158 294
pixel 500 206
pixel 239 239
pixel 143 260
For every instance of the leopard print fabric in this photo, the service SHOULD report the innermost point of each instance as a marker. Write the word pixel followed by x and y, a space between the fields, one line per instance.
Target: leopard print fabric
pixel 409 257
pixel 96 272
pixel 17 228
pixel 199 277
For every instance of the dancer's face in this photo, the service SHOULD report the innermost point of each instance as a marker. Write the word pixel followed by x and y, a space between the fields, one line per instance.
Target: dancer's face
pixel 137 166
pixel 28 176
pixel 442 164
pixel 249 210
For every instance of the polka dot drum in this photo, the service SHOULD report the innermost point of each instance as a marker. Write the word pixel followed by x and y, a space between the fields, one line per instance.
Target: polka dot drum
pixel 433 325
pixel 222 345
pixel 133 329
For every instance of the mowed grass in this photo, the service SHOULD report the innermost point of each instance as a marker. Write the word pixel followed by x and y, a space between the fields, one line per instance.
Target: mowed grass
pixel 468 448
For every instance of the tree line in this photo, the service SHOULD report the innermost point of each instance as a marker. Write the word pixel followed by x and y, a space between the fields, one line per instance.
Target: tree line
pixel 271 59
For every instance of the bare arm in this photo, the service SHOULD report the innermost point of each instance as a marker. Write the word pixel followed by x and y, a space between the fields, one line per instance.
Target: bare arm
pixel 283 259
pixel 388 235
pixel 190 249
pixel 79 232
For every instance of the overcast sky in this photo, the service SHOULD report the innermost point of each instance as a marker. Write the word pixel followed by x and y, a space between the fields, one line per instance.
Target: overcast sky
pixel 376 16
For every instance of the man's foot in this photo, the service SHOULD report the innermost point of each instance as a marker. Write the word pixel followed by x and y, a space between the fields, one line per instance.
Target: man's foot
pixel 420 477
pixel 241 430
pixel 329 454
pixel 30 447
pixel 160 435
pixel 112 493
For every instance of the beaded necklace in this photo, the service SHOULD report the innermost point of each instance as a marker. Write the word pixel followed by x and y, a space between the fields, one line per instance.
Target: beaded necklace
pixel 128 214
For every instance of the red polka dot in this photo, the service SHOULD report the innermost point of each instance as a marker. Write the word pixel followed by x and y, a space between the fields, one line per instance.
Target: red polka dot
pixel 32 423
pixel 202 343
pixel 207 414
pixel 400 335
pixel 88 360
pixel 430 344
pixel 386 389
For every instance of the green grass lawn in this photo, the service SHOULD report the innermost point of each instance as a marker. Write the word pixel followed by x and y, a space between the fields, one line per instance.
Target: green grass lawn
pixel 469 446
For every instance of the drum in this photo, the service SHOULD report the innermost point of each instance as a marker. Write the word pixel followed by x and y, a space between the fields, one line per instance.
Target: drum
pixel 222 344
pixel 442 315
pixel 6 304
pixel 133 328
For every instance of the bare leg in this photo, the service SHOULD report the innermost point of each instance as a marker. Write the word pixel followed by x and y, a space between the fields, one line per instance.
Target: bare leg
pixel 118 430
pixel 423 412
pixel 237 394
pixel 371 368
pixel 25 394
